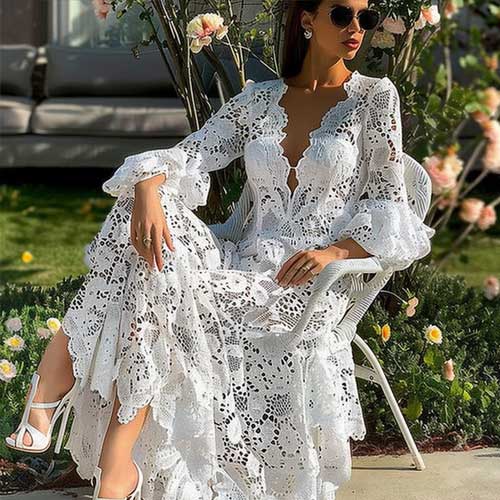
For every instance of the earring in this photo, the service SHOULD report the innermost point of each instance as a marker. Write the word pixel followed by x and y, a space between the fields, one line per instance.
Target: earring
pixel 308 34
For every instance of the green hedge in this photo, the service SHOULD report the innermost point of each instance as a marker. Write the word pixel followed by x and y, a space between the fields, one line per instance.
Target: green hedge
pixel 470 324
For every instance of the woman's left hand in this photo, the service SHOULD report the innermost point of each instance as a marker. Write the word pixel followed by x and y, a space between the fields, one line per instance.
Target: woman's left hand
pixel 302 266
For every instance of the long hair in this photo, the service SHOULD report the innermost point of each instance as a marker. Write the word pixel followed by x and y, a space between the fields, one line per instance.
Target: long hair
pixel 295 44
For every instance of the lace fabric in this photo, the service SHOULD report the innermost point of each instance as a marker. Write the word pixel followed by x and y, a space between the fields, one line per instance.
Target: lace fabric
pixel 231 414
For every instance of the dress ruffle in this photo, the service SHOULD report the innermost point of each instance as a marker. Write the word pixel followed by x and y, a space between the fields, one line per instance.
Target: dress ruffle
pixel 224 417
pixel 185 178
pixel 389 230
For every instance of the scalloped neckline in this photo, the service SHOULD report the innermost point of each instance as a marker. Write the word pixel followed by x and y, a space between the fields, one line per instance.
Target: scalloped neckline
pixel 347 85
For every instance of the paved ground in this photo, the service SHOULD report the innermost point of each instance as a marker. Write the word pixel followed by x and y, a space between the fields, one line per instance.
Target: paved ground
pixel 472 475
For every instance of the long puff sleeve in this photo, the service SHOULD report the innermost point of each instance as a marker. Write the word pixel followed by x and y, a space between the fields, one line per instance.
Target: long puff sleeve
pixel 186 165
pixel 382 221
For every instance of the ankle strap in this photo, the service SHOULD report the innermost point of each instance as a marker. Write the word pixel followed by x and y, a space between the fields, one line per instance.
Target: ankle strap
pixel 45 405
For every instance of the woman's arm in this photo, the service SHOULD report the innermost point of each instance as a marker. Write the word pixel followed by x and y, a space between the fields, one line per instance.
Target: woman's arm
pixel 383 224
pixel 186 165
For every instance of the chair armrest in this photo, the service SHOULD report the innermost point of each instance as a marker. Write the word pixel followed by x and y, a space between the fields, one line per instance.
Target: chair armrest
pixel 364 294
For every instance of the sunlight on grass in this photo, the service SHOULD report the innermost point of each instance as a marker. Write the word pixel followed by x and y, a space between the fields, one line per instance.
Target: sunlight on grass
pixel 51 223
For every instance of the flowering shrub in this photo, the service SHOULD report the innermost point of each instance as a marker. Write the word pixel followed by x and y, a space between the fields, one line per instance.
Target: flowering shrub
pixel 441 359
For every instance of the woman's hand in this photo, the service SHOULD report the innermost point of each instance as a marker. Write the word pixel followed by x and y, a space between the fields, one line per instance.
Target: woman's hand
pixel 298 268
pixel 148 221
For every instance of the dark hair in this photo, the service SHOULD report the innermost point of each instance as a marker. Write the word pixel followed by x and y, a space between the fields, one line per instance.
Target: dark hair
pixel 295 43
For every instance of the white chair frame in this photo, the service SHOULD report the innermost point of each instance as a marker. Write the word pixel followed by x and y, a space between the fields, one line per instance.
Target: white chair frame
pixel 419 191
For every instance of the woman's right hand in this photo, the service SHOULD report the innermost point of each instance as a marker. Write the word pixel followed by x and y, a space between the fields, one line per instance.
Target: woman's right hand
pixel 148 220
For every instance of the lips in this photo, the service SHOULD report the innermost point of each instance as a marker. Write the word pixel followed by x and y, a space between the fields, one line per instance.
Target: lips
pixel 351 43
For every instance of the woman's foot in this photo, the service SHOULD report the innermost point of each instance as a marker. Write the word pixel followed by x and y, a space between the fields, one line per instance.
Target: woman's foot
pixel 55 360
pixel 119 480
pixel 40 417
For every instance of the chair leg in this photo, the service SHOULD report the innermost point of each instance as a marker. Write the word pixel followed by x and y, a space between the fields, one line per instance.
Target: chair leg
pixel 377 376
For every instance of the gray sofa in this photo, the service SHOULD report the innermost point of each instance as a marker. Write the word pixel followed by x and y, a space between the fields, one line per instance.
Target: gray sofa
pixel 95 106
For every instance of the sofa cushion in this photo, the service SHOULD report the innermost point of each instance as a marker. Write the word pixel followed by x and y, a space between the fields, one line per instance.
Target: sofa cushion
pixel 16 67
pixel 111 116
pixel 77 71
pixel 15 113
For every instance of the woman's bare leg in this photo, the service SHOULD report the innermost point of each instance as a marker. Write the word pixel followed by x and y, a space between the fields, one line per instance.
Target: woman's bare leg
pixel 56 379
pixel 119 476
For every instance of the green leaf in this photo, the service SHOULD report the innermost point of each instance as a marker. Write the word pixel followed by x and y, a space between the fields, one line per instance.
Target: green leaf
pixel 429 357
pixel 414 409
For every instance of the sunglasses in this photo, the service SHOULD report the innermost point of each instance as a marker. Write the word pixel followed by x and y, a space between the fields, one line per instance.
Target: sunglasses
pixel 342 16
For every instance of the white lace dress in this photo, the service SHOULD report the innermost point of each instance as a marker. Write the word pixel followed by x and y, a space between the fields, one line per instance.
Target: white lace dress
pixel 231 418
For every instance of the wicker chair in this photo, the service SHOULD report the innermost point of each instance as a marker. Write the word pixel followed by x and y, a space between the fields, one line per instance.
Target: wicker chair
pixel 363 290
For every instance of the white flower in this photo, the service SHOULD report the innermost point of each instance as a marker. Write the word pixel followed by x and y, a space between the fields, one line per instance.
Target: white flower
pixel 7 370
pixel 15 343
pixel 54 324
pixel 433 334
pixel 13 324
pixel 43 333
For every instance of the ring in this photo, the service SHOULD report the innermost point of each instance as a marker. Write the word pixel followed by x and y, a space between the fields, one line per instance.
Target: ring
pixel 146 241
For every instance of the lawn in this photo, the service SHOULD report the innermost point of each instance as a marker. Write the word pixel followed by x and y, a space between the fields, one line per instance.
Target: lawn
pixel 54 221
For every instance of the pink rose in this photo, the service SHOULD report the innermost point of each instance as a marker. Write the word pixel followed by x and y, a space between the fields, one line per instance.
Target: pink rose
pixel 101 8
pixel 491 157
pixel 492 99
pixel 487 218
pixel 450 9
pixel 448 372
pixel 491 287
pixel 471 210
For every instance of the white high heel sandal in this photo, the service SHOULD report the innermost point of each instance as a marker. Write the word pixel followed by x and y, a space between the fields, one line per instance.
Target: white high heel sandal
pixel 135 495
pixel 40 441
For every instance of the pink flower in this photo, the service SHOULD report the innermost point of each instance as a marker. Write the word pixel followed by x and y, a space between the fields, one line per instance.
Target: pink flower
pixel 427 16
pixel 201 28
pixel 487 218
pixel 471 210
pixel 450 9
pixel 492 99
pixel 491 61
pixel 394 25
pixel 443 171
pixel 448 372
pixel 491 130
pixel 101 8
pixel 411 304
pixel 431 14
pixel 491 157
pixel 491 287
pixel 448 198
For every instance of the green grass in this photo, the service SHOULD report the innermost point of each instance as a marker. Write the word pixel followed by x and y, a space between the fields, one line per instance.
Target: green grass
pixel 51 222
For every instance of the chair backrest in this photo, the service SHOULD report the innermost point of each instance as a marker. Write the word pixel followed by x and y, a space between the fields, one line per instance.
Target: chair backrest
pixel 418 186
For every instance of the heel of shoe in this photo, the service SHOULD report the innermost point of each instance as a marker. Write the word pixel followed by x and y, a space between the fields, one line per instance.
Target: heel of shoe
pixel 136 494
pixel 62 428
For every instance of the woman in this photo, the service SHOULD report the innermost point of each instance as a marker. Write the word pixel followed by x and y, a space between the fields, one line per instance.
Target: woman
pixel 183 329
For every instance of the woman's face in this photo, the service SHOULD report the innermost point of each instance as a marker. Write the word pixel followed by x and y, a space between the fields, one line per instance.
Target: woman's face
pixel 327 37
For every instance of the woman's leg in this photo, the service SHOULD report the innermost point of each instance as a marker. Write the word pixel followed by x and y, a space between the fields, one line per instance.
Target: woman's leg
pixel 56 379
pixel 119 475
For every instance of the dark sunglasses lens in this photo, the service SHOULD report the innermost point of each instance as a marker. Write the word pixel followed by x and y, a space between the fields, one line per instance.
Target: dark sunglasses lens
pixel 368 19
pixel 341 16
